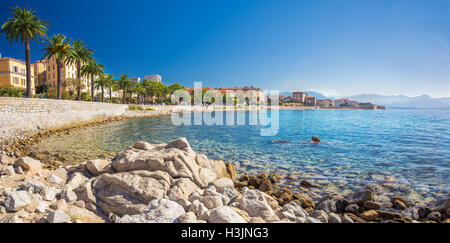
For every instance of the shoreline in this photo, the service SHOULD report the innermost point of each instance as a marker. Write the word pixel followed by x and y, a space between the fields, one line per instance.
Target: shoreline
pixel 199 190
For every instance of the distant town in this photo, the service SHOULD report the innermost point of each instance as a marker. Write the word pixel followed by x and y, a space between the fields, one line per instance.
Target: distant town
pixel 303 99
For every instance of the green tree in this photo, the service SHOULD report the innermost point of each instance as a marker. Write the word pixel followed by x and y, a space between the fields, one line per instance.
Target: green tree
pixel 101 83
pixel 78 55
pixel 110 84
pixel 92 69
pixel 74 84
pixel 23 25
pixel 58 46
pixel 174 87
pixel 124 84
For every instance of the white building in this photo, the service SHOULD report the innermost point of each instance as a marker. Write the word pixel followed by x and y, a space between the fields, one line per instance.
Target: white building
pixel 153 78
pixel 135 80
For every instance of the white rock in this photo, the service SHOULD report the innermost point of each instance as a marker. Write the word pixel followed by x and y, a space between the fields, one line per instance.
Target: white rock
pixel 212 201
pixel 76 180
pixel 320 215
pixel 42 207
pixel 52 178
pixel 200 210
pixel 143 145
pixel 225 214
pixel 58 216
pixel 334 218
pixel 311 220
pixel 29 164
pixel 69 195
pixel 255 204
pixel 158 211
pixel 188 217
pixel 98 166
pixel 295 209
pixel 49 193
pixel 222 183
pixel 17 200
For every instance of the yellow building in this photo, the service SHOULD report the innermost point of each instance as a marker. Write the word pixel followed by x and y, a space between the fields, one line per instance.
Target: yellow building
pixel 67 71
pixel 13 73
pixel 40 72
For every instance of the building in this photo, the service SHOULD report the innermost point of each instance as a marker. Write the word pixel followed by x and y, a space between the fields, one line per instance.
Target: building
pixel 135 80
pixel 153 78
pixel 67 71
pixel 346 103
pixel 310 101
pixel 40 73
pixel 367 106
pixel 325 103
pixel 13 73
pixel 299 96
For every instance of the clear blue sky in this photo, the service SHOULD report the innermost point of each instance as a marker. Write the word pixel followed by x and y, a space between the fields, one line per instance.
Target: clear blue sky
pixel 338 47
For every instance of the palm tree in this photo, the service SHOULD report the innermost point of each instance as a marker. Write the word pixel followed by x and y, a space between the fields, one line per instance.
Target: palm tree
pixel 79 54
pixel 92 69
pixel 101 83
pixel 124 84
pixel 58 46
pixel 110 84
pixel 25 26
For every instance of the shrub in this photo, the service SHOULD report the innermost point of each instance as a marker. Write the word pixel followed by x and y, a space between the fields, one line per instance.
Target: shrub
pixel 11 92
pixel 149 109
pixel 115 100
pixel 85 96
pixel 135 108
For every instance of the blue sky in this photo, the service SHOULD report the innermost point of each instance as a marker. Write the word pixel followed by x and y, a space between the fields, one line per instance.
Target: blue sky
pixel 338 47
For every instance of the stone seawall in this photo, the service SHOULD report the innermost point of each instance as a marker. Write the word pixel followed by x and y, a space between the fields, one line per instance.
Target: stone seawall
pixel 19 115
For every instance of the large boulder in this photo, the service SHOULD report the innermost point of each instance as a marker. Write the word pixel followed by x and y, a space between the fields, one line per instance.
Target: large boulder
pixel 29 165
pixel 130 192
pixel 255 204
pixel 176 158
pixel 225 214
pixel 17 200
pixel 98 166
pixel 158 211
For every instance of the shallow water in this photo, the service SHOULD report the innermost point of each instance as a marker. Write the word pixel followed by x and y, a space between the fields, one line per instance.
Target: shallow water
pixel 397 151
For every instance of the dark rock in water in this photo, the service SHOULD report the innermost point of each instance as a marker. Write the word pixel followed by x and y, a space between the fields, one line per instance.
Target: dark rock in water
pixel 307 184
pixel 424 211
pixel 315 139
pixel 266 186
pixel 399 204
pixel 275 178
pixel 341 203
pixel 368 205
pixel 435 216
pixel 352 208
pixel 278 141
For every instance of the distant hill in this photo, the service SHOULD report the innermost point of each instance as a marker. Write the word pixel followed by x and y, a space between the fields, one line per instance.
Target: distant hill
pixel 400 101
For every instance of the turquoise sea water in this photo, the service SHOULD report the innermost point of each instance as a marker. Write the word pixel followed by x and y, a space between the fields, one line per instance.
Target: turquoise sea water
pixel 395 151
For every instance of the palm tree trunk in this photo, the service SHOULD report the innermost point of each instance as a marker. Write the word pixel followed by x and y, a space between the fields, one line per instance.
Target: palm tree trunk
pixel 79 80
pixel 110 93
pixel 124 94
pixel 28 64
pixel 103 93
pixel 58 73
pixel 92 87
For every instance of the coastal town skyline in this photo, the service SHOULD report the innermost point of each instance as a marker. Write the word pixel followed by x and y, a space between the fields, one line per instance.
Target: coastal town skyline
pixel 412 62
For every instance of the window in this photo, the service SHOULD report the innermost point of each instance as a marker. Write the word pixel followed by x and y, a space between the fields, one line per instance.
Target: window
pixel 22 71
pixel 15 69
pixel 53 75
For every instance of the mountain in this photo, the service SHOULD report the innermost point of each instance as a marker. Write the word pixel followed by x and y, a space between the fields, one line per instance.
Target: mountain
pixel 400 101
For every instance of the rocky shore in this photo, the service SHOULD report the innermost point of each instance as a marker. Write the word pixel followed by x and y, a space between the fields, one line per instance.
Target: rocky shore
pixel 171 183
